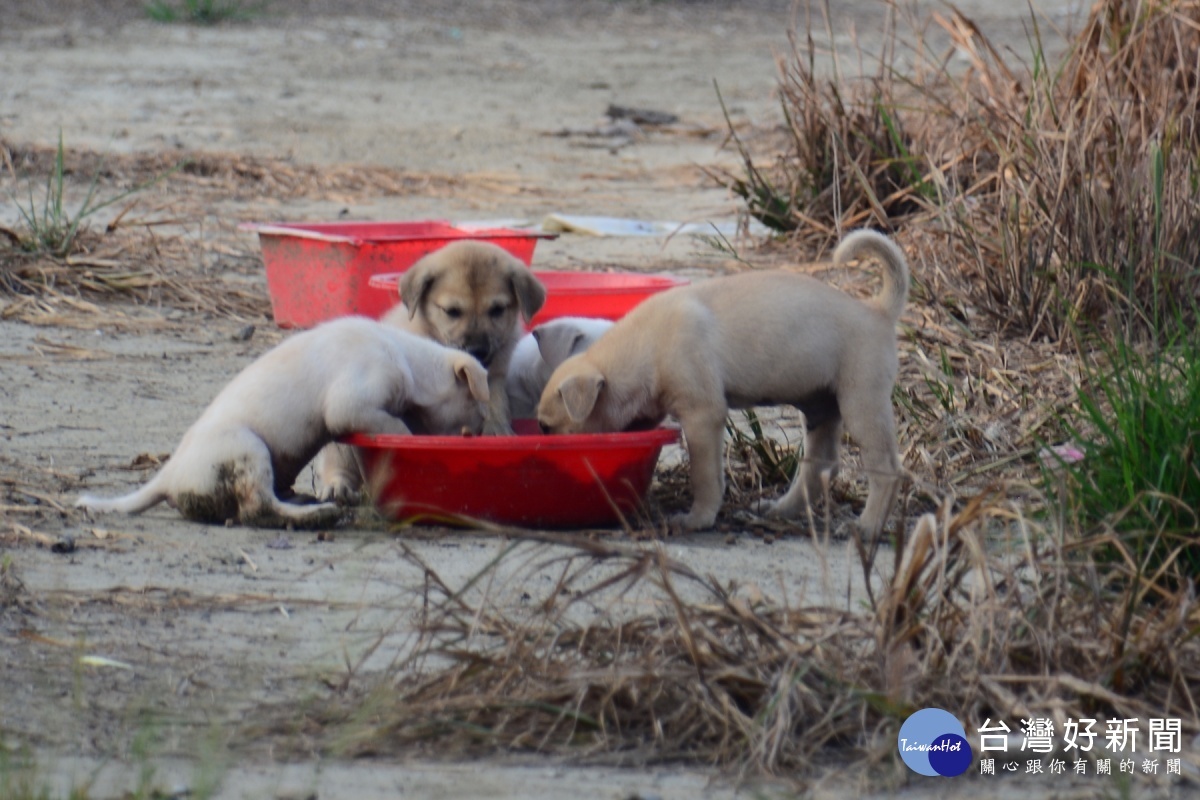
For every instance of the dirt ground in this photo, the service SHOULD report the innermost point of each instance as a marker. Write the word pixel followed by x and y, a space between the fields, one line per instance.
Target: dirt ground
pixel 147 640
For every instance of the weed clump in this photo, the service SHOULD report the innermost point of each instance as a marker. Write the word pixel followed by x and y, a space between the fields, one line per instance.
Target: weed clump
pixel 50 227
pixel 200 12
pixel 1068 190
pixel 1138 479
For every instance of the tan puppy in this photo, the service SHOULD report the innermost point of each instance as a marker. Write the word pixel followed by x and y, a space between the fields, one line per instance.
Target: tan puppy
pixel 758 338
pixel 470 295
pixel 351 374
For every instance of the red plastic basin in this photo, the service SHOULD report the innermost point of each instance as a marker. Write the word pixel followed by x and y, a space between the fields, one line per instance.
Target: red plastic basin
pixel 603 295
pixel 530 480
pixel 317 271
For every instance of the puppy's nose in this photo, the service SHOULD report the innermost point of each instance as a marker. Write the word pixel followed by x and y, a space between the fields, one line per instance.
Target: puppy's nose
pixel 481 351
pixel 544 427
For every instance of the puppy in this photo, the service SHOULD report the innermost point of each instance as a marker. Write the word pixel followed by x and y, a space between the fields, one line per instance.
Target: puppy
pixel 470 295
pixel 351 374
pixel 474 296
pixel 758 338
pixel 539 352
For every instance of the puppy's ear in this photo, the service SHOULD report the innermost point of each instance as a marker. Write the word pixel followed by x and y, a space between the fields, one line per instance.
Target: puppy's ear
pixel 528 290
pixel 579 394
pixel 466 368
pixel 557 343
pixel 415 284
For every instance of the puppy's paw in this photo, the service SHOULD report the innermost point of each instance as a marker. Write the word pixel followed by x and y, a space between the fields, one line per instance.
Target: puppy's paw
pixel 340 492
pixel 770 509
pixel 692 521
pixel 780 509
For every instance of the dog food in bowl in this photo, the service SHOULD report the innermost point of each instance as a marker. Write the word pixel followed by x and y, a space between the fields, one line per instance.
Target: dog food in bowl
pixel 530 480
pixel 603 295
pixel 317 271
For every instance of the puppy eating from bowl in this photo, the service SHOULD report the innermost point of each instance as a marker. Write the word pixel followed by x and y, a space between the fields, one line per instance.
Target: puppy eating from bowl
pixel 470 295
pixel 756 338
pixel 349 375
pixel 540 351
pixel 474 296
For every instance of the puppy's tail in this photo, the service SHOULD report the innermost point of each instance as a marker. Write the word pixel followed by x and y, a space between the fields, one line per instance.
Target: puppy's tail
pixel 134 503
pixel 895 275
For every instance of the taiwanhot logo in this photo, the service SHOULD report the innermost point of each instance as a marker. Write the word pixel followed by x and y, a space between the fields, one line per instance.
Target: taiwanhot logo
pixel 932 742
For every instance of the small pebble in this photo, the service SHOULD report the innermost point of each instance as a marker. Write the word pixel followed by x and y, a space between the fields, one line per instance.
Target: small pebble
pixel 243 334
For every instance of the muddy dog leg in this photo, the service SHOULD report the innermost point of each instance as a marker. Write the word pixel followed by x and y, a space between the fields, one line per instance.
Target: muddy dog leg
pixel 232 478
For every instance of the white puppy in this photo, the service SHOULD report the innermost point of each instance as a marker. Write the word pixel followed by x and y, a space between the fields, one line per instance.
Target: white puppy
pixel 757 338
pixel 538 354
pixel 351 374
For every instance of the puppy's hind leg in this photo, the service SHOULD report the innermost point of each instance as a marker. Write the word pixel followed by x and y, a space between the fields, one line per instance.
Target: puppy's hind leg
pixel 821 455
pixel 252 481
pixel 872 426
pixel 275 513
pixel 339 474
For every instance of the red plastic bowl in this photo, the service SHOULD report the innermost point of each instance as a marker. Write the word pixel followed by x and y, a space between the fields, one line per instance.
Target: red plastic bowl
pixel 320 270
pixel 530 480
pixel 603 295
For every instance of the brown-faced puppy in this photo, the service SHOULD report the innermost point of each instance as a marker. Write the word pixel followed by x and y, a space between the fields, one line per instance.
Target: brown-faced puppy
pixel 757 338
pixel 351 374
pixel 470 295
pixel 474 296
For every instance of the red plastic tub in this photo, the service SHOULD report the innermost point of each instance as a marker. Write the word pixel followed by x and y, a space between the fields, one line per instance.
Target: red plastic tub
pixel 317 271
pixel 530 480
pixel 603 295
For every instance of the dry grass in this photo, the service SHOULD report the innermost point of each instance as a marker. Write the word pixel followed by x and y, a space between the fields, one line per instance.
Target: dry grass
pixel 1066 190
pixel 630 657
pixel 1089 210
pixel 234 175
pixel 162 246
pixel 843 158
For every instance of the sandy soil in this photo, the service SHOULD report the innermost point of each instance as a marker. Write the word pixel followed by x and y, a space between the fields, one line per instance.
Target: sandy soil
pixel 473 102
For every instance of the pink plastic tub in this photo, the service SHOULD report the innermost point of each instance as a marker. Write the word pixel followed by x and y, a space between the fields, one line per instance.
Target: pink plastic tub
pixel 603 295
pixel 530 480
pixel 317 271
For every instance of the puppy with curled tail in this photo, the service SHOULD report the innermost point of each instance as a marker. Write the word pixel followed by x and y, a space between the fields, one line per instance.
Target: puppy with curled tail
pixel 241 457
pixel 756 338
